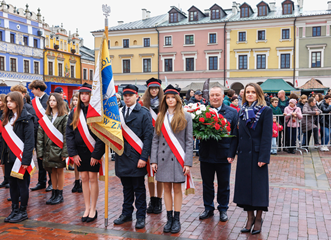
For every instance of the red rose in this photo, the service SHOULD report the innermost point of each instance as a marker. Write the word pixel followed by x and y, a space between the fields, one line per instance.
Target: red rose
pixel 215 118
pixel 208 115
pixel 223 122
pixel 220 116
pixel 201 119
pixel 228 128
pixel 217 126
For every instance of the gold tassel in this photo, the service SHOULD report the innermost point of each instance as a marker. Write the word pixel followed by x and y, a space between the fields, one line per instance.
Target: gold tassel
pixel 189 191
pixel 150 179
pixel 101 178
pixel 33 171
pixel 16 175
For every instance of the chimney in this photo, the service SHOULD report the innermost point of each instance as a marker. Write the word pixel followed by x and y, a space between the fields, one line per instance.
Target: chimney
pixel 207 12
pixel 272 6
pixel 144 13
pixel 234 8
pixel 300 3
pixel 120 22
pixel 148 15
pixel 329 5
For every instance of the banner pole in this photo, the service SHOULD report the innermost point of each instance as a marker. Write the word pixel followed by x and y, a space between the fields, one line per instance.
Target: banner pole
pixel 106 184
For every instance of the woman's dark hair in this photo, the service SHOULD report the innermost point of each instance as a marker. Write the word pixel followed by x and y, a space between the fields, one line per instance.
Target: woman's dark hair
pixel 27 98
pixel 188 94
pixel 61 107
pixel 18 99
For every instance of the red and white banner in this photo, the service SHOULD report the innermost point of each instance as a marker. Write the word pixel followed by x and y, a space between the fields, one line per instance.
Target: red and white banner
pixel 154 116
pixel 69 162
pixel 52 132
pixel 16 145
pixel 130 136
pixel 179 153
pixel 40 111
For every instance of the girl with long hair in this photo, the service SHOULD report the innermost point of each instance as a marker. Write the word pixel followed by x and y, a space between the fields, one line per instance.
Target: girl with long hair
pixel 86 158
pixel 2 107
pixel 53 155
pixel 164 163
pixel 17 121
pixel 151 100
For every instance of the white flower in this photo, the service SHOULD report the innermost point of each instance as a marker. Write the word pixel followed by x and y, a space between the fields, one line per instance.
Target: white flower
pixel 198 112
pixel 192 115
pixel 186 108
pixel 190 105
pixel 195 106
pixel 203 107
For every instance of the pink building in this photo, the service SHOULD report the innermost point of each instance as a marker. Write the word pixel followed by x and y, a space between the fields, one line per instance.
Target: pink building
pixel 192 47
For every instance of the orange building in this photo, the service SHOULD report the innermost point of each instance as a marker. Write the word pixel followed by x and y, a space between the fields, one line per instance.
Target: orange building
pixel 87 60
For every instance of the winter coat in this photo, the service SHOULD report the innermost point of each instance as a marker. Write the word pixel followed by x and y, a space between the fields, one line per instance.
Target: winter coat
pixel 253 146
pixel 194 100
pixel 240 101
pixel 235 107
pixel 290 120
pixel 308 122
pixel 276 110
pixel 140 122
pixel 275 129
pixel 168 167
pixel 300 105
pixel 24 129
pixel 283 104
pixel 213 151
pixel 74 139
pixel 325 120
pixel 47 150
pixel 31 110
pixel 227 101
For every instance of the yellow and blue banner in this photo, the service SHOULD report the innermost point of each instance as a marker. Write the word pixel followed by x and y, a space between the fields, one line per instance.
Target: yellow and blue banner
pixel 103 113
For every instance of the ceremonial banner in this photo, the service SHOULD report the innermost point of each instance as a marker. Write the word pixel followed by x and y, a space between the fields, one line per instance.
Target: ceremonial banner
pixel 103 113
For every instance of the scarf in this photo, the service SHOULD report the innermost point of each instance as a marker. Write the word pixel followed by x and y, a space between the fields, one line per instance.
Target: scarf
pixel 155 102
pixel 251 114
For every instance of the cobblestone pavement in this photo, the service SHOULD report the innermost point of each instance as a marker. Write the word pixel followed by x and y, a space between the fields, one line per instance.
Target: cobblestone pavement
pixel 300 200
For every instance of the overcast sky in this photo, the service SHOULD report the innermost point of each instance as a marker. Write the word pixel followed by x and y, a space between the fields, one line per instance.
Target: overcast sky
pixel 87 15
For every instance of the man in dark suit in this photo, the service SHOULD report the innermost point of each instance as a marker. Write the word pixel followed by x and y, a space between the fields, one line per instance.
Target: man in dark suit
pixel 213 159
pixel 131 166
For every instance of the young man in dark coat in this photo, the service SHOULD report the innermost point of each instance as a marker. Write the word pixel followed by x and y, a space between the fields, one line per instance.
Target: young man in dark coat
pixel 131 166
pixel 213 159
pixel 38 88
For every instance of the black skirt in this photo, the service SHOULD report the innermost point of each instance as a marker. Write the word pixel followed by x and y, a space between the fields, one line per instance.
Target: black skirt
pixel 85 164
pixel 252 208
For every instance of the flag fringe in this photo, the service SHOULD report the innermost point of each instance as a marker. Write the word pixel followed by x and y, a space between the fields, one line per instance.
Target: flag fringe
pixel 151 179
pixel 189 191
pixel 94 119
pixel 16 175
pixel 101 178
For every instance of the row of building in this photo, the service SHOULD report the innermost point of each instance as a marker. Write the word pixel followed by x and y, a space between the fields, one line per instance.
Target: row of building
pixel 233 46
pixel 31 49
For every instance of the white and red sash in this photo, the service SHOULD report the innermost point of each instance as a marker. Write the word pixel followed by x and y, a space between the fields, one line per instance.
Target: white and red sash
pixel 150 171
pixel 178 151
pixel 16 145
pixel 40 111
pixel 52 132
pixel 154 116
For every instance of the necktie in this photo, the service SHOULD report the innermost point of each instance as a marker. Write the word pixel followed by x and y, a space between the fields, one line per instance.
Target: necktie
pixel 127 114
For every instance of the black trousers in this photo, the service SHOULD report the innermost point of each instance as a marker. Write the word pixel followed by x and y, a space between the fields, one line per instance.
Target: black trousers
pixel 42 179
pixel 134 187
pixel 20 188
pixel 315 132
pixel 222 171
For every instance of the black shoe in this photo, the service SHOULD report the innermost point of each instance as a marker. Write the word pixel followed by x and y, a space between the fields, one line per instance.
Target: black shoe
pixel 75 188
pixel 80 189
pixel 49 201
pixel 223 216
pixel 92 219
pixel 258 231
pixel 175 228
pixel 14 211
pixel 49 188
pixel 20 216
pixel 7 185
pixel 140 223
pixel 3 184
pixel 206 214
pixel 38 187
pixel 158 206
pixel 151 204
pixel 122 219
pixel 245 230
pixel 58 197
pixel 167 227
pixel 84 219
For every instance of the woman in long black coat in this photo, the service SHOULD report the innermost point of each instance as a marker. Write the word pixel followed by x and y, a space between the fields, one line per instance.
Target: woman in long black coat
pixel 253 143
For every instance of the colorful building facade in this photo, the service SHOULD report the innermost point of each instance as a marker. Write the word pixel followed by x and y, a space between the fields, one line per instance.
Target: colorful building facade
pixel 87 59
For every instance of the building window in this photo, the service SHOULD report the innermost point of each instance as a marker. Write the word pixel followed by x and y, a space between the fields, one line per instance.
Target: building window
pixel 2 63
pixel 285 61
pixel 287 8
pixel 147 65
pixel 215 14
pixel 85 74
pixel 125 43
pixel 262 11
pixel 212 38
pixel 1 36
pixel 12 38
pixel 260 61
pixel 126 66
pixel 242 36
pixel 35 43
pixel 108 44
pixel 244 12
pixel 72 68
pixel 36 67
pixel 25 41
pixel 147 42
pixel 173 17
pixel 167 41
pixel 91 74
pixel 316 59
pixel 50 68
pixel 168 65
pixel 189 39
pixel 286 34
pixel 13 64
pixel 316 31
pixel 212 63
pixel 243 62
pixel 26 66
pixel 194 16
pixel 60 69
pixel 261 35
pixel 189 64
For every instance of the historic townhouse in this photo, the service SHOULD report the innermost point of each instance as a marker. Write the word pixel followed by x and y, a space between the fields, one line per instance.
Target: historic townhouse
pixel 21 46
pixel 87 58
pixel 133 49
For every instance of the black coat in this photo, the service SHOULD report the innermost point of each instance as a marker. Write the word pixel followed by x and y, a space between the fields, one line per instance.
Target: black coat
pixel 140 122
pixel 75 140
pixel 252 181
pixel 325 120
pixel 31 110
pixel 24 130
pixel 213 151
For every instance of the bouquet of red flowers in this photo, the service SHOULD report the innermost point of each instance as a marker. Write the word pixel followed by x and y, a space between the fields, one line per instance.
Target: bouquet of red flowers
pixel 207 123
